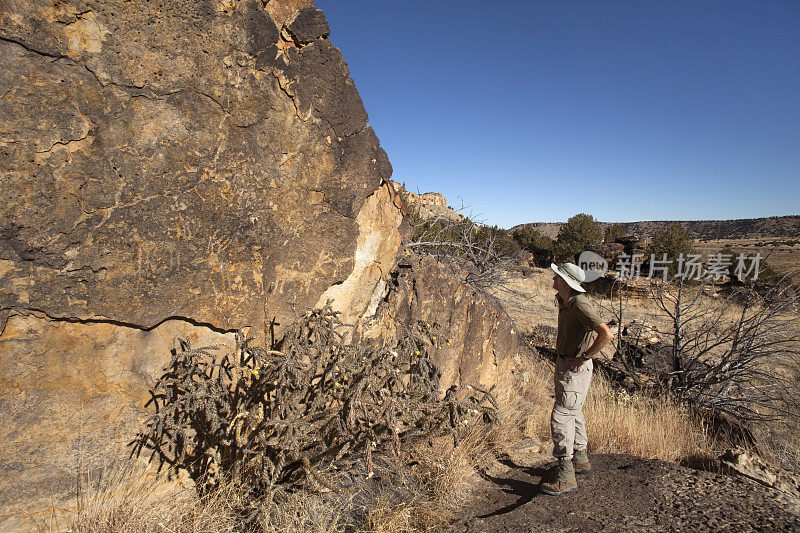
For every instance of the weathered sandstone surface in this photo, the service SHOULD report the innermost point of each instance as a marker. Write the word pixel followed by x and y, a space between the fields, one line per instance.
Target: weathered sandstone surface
pixel 171 169
pixel 187 160
pixel 481 346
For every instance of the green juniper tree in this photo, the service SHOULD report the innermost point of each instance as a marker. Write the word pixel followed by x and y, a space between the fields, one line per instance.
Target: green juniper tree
pixel 580 233
pixel 613 232
pixel 670 245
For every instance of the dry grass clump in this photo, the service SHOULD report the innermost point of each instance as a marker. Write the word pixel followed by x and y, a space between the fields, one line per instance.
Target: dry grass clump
pixel 434 482
pixel 656 428
pixel 418 492
pixel 617 422
pixel 388 517
pixel 534 401
pixel 128 499
pixel 125 498
pixel 303 512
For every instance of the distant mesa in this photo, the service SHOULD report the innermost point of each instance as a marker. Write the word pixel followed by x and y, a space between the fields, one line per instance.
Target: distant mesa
pixel 743 228
pixel 429 204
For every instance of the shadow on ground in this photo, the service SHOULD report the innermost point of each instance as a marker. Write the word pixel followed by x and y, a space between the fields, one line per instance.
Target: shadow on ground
pixel 524 490
pixel 623 493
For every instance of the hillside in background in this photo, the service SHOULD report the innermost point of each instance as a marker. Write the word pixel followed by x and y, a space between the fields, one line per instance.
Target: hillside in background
pixel 742 228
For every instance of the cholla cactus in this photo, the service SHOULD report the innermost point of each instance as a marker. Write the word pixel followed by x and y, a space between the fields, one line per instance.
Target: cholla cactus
pixel 288 415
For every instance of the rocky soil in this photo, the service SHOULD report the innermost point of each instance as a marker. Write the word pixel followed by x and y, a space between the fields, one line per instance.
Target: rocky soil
pixel 625 493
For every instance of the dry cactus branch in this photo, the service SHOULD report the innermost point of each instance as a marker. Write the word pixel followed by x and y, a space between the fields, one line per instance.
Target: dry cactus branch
pixel 310 404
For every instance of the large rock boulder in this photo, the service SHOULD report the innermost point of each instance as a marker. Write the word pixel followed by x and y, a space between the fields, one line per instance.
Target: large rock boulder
pixel 182 169
pixel 169 169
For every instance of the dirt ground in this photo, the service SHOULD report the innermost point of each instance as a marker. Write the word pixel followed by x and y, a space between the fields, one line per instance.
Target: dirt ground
pixel 624 493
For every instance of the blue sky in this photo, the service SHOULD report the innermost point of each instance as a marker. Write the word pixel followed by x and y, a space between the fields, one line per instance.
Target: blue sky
pixel 626 110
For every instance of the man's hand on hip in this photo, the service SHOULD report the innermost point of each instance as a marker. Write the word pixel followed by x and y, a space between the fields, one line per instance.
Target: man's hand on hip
pixel 575 362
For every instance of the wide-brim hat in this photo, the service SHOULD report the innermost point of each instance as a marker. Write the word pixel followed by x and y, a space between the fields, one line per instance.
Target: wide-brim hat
pixel 572 274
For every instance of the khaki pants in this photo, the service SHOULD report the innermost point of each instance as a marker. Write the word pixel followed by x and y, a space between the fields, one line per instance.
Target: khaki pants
pixel 566 422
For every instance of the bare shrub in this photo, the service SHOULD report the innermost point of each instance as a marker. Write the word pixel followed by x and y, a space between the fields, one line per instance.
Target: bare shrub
pixel 484 253
pixel 733 354
pixel 729 354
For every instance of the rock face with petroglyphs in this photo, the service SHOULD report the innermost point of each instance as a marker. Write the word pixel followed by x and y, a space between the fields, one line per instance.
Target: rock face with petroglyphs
pixel 169 168
pixel 206 164
pixel 190 159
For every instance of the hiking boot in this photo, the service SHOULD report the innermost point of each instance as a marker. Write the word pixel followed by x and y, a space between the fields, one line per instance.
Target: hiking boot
pixel 563 479
pixel 581 461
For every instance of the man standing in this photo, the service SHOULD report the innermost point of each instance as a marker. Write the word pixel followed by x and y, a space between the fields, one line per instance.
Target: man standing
pixel 577 319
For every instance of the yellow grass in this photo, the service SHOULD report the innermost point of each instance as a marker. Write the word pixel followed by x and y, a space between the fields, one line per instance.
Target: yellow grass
pixel 386 517
pixel 126 499
pixel 442 479
pixel 647 427
pixel 616 422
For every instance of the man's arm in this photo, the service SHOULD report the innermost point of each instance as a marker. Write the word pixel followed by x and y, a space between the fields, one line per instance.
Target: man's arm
pixel 604 336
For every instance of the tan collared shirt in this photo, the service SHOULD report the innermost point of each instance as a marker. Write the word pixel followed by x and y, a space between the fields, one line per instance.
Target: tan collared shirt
pixel 577 318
